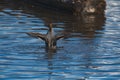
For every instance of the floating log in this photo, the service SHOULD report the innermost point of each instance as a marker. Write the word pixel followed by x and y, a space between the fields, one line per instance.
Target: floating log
pixel 74 6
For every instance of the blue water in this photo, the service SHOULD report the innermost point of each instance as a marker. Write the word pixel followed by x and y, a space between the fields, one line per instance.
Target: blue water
pixel 90 50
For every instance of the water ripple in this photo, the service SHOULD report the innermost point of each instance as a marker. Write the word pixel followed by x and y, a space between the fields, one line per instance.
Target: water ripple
pixel 89 51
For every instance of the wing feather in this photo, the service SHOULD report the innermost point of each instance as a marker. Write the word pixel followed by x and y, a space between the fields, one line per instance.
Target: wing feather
pixel 37 35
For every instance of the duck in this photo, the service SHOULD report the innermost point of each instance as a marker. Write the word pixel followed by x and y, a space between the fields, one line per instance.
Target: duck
pixel 50 38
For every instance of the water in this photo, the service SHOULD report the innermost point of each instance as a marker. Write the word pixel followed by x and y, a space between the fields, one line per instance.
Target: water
pixel 90 50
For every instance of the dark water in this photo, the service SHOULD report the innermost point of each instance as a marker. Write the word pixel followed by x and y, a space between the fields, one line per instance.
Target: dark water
pixel 90 50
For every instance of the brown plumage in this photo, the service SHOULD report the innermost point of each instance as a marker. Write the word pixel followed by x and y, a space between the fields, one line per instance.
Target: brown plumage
pixel 50 38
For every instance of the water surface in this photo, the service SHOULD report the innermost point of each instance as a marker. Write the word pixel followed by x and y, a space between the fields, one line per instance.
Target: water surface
pixel 89 51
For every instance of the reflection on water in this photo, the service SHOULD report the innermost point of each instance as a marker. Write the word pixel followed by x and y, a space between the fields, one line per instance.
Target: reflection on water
pixel 89 51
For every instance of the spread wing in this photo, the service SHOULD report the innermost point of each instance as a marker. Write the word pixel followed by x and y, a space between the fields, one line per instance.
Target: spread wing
pixel 59 37
pixel 36 35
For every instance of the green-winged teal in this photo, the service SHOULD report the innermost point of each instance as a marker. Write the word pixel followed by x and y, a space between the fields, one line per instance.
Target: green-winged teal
pixel 50 38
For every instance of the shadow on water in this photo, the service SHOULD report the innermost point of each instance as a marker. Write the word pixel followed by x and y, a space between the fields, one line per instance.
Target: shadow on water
pixel 84 26
pixel 87 25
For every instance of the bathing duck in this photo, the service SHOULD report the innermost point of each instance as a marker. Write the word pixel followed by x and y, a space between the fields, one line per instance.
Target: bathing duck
pixel 50 38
